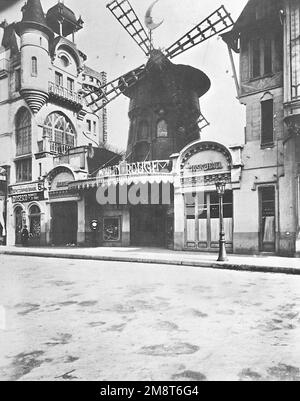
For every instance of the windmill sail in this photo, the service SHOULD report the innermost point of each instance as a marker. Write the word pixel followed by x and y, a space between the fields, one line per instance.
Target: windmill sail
pixel 105 94
pixel 125 14
pixel 213 25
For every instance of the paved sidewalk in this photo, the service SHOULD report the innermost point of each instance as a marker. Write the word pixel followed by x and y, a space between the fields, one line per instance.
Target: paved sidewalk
pixel 262 263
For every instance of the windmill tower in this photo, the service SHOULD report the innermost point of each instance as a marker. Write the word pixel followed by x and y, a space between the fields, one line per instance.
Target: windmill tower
pixel 164 109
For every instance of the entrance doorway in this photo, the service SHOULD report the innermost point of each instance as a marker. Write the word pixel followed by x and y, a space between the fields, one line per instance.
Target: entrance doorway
pixel 18 225
pixel 148 226
pixel 267 219
pixel 202 224
pixel 35 225
pixel 64 223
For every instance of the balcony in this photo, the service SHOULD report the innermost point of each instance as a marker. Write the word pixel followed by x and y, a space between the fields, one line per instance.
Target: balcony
pixel 4 67
pixel 59 148
pixel 65 96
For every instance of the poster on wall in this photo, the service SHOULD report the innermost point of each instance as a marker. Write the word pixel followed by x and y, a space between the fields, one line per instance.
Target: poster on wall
pixel 111 229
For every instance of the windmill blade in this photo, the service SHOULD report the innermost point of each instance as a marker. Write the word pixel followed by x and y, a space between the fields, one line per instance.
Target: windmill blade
pixel 202 122
pixel 125 14
pixel 217 22
pixel 99 98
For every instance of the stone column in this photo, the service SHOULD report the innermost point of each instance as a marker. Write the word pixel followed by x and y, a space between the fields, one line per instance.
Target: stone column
pixel 178 220
pixel 10 225
pixel 81 222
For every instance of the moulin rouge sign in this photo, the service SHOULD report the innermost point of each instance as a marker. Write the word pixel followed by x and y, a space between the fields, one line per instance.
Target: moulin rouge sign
pixel 139 168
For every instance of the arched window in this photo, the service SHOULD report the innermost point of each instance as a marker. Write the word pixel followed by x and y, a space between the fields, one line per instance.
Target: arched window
pixel 162 129
pixel 23 132
pixel 59 129
pixel 64 61
pixel 35 222
pixel 34 67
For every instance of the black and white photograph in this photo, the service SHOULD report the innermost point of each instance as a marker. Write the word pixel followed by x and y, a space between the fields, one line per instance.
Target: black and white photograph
pixel 149 193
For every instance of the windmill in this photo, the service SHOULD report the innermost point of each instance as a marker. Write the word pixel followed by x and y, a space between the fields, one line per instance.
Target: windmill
pixel 164 97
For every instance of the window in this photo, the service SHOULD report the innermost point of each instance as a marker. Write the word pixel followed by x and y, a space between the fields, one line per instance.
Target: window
pixel 70 84
pixel 162 129
pixel 89 125
pixel 261 57
pixel 58 79
pixel 17 80
pixel 34 67
pixel 255 58
pixel 267 56
pixel 267 122
pixel 95 127
pixel 23 132
pixel 64 61
pixel 59 129
pixel 24 170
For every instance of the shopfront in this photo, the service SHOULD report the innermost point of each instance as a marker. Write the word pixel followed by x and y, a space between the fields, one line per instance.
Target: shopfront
pixel 132 203
pixel 197 221
pixel 27 202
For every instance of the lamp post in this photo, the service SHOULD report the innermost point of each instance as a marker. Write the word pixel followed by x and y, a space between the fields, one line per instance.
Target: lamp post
pixel 220 186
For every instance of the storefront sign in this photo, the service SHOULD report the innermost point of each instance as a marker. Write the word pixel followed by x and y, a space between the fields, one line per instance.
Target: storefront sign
pixel 60 182
pixel 32 187
pixel 205 162
pixel 25 198
pixel 139 168
pixel 206 167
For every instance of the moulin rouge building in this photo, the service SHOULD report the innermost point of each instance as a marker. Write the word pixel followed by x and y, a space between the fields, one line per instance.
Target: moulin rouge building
pixel 54 176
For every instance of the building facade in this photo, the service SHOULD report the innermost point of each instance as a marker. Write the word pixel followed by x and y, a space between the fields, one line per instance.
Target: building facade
pixel 266 36
pixel 45 124
pixel 164 192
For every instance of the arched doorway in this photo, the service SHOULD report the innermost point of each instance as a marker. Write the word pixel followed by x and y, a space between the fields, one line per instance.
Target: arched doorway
pixel 18 224
pixel 35 225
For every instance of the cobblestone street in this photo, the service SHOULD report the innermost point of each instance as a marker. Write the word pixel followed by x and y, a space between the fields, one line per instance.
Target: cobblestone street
pixel 89 320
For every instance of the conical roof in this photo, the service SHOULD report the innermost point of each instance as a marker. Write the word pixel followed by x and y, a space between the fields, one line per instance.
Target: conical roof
pixel 9 40
pixel 33 15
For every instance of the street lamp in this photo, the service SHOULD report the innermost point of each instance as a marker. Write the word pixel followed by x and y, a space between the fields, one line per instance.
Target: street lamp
pixel 220 186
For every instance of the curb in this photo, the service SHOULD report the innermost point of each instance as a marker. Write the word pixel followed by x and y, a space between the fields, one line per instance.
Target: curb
pixel 131 259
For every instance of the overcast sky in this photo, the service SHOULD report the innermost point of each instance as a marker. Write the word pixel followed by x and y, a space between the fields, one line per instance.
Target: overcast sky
pixel 109 48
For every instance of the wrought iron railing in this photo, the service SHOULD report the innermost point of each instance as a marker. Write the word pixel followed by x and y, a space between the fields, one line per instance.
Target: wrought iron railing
pixel 65 93
pixel 59 148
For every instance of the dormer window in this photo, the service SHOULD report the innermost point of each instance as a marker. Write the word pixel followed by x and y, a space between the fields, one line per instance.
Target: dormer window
pixel 261 55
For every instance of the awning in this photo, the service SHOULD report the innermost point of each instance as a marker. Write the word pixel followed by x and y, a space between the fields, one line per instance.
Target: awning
pixel 122 180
